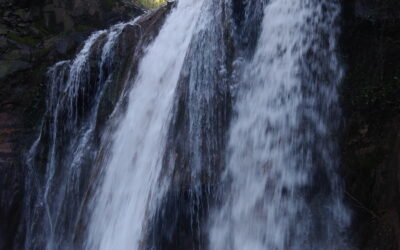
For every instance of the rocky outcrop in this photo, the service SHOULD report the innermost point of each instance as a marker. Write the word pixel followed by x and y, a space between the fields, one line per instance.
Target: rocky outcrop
pixel 370 149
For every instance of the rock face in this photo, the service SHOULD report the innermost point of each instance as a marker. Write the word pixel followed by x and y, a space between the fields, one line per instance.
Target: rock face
pixel 371 51
pixel 60 15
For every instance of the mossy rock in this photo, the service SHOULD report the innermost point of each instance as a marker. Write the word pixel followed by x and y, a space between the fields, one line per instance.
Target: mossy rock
pixel 27 40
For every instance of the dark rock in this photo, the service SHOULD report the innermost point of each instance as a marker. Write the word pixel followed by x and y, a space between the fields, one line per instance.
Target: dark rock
pixel 3 29
pixel 17 55
pixel 9 67
pixel 64 45
pixel 370 147
pixel 24 14
pixel 377 9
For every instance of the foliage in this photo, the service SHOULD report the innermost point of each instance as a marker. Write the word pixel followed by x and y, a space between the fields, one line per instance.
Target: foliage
pixel 151 4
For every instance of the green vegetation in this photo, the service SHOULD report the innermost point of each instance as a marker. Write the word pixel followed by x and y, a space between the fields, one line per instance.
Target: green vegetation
pixel 146 4
pixel 28 40
pixel 151 4
pixel 40 26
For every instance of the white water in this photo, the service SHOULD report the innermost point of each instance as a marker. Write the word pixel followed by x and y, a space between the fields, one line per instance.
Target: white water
pixel 129 191
pixel 53 219
pixel 286 110
pixel 281 137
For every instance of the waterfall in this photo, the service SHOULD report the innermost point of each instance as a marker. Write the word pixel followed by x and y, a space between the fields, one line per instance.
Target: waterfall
pixel 128 195
pixel 59 159
pixel 196 137
pixel 281 184
pixel 216 130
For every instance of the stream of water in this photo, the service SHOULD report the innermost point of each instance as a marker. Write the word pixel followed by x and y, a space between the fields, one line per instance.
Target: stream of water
pixel 234 112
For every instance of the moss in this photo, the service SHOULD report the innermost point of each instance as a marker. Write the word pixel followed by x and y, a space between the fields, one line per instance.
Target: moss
pixel 39 25
pixel 65 33
pixel 28 40
pixel 151 4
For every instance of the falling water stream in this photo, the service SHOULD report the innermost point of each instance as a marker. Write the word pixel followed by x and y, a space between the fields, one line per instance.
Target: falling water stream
pixel 283 191
pixel 129 191
pixel 233 110
pixel 66 143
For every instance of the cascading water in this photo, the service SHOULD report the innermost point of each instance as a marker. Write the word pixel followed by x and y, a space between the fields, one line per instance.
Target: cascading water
pixel 282 187
pixel 66 145
pixel 196 136
pixel 125 181
pixel 129 192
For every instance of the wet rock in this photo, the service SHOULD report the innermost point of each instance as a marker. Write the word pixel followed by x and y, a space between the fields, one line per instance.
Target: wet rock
pixel 64 46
